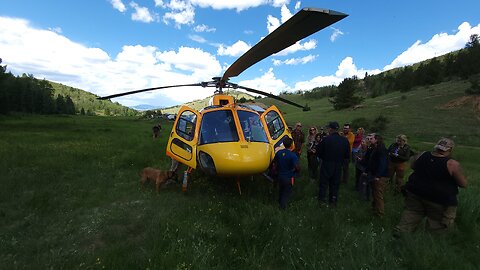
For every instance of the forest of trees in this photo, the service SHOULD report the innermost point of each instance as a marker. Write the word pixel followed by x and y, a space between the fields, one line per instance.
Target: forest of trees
pixel 462 64
pixel 29 95
pixel 26 94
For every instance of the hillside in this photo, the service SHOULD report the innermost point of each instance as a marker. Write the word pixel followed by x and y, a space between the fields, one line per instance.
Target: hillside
pixel 90 103
pixel 424 113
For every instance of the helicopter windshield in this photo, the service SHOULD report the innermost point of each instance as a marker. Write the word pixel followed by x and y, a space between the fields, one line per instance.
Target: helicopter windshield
pixel 252 127
pixel 218 126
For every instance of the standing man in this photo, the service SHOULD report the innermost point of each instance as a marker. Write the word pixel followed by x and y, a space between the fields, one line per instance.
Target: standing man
pixel 333 151
pixel 431 190
pixel 398 155
pixel 298 139
pixel 351 138
pixel 287 166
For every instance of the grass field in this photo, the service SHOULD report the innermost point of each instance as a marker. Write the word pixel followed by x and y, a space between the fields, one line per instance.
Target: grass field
pixel 70 199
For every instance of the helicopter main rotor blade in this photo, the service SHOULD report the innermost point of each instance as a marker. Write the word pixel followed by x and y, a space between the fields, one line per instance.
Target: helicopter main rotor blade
pixel 304 23
pixel 273 96
pixel 148 89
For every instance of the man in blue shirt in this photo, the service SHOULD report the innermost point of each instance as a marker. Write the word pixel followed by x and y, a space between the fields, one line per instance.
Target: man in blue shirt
pixel 287 165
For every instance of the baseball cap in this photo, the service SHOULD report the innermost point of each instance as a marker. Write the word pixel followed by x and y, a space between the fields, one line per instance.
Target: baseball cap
pixel 333 125
pixel 444 144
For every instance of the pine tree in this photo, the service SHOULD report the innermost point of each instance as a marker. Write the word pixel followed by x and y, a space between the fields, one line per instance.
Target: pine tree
pixel 345 95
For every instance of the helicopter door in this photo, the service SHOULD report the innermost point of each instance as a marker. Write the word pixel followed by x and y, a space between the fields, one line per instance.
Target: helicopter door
pixel 182 144
pixel 274 125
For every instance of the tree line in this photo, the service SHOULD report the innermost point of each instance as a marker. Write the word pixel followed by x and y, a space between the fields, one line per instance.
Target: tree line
pixel 27 94
pixel 352 91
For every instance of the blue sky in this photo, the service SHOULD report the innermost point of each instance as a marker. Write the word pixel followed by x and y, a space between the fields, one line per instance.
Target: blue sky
pixel 111 46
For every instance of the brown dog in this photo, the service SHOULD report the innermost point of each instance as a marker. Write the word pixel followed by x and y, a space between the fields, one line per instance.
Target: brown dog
pixel 157 176
pixel 156 131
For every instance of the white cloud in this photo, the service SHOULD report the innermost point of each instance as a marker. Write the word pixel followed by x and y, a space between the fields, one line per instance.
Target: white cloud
pixel 279 3
pixel 295 61
pixel 49 55
pixel 336 33
pixel 204 28
pixel 298 46
pixel 272 23
pixel 346 69
pixel 267 83
pixel 438 45
pixel 57 30
pixel 142 14
pixel 236 49
pixel 182 12
pixel 237 5
pixel 286 14
pixel 318 81
pixel 159 3
pixel 118 5
pixel 197 38
pixel 297 5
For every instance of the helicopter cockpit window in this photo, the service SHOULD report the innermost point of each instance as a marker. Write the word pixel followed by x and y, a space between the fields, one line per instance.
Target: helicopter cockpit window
pixel 252 127
pixel 186 125
pixel 274 124
pixel 218 126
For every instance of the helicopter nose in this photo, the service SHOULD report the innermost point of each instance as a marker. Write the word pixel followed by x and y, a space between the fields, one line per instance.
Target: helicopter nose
pixel 235 158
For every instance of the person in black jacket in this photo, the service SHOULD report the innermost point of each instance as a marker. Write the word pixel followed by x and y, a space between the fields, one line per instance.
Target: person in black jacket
pixel 377 171
pixel 431 190
pixel 398 154
pixel 333 151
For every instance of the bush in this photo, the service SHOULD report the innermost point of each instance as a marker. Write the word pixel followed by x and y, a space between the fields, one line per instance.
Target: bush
pixel 474 88
pixel 377 125
pixel 361 122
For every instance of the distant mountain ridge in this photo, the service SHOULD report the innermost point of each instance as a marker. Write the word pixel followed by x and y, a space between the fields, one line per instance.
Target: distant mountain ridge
pixel 144 107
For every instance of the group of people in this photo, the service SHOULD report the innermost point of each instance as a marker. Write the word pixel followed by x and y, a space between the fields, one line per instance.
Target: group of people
pixel 431 190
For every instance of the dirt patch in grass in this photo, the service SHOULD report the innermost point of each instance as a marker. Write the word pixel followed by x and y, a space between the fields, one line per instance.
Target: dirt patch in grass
pixel 473 100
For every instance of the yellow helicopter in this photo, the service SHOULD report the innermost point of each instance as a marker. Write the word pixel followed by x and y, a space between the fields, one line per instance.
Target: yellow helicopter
pixel 230 139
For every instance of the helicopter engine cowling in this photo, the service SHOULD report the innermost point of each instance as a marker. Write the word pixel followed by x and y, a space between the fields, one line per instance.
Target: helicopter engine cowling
pixel 246 159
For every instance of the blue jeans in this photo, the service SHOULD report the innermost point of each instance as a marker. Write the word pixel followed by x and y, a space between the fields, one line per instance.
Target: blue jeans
pixel 285 190
pixel 330 173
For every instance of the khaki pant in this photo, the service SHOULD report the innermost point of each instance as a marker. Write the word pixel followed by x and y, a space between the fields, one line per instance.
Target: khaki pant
pixel 439 218
pixel 378 192
pixel 399 170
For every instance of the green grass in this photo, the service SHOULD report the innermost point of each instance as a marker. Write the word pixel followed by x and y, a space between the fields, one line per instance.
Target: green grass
pixel 71 198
